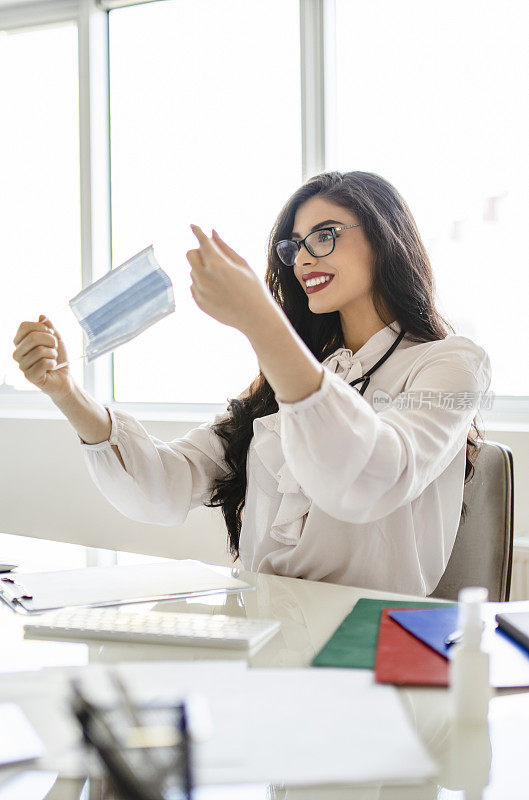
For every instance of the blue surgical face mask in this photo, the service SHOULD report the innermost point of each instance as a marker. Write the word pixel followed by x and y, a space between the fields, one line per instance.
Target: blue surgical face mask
pixel 123 303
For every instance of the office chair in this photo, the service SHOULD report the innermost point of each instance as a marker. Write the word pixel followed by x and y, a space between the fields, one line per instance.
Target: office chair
pixel 482 554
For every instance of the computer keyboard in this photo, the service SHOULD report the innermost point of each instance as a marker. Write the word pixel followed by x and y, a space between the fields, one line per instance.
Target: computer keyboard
pixel 154 627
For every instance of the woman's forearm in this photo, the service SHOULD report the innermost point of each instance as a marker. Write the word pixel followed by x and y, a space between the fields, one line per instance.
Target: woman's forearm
pixel 285 360
pixel 90 419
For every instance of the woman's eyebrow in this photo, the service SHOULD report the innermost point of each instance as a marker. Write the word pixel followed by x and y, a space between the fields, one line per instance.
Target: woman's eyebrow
pixel 319 225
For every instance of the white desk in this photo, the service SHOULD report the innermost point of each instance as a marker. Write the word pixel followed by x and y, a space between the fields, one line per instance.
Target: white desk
pixel 309 612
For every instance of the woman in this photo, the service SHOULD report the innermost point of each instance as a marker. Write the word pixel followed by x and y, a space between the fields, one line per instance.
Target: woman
pixel 345 459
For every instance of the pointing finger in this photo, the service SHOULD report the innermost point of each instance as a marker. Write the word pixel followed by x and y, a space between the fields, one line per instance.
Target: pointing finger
pixel 209 247
pixel 199 233
pixel 201 236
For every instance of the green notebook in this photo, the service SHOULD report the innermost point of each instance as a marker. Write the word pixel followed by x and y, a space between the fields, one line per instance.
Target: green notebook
pixel 354 642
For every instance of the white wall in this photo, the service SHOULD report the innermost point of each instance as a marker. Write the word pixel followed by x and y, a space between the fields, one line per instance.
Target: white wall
pixel 46 492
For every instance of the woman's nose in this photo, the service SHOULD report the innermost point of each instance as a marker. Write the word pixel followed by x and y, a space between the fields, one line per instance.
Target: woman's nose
pixel 302 258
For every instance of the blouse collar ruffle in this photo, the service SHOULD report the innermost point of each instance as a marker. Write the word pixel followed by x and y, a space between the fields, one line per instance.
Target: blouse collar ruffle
pixel 290 518
pixel 288 523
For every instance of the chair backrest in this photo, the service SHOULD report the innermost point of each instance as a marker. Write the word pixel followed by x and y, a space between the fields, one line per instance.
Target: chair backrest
pixel 482 554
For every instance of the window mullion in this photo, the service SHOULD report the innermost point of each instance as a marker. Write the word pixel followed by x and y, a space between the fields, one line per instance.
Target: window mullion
pixel 330 72
pixel 311 19
pixel 94 144
pixel 318 84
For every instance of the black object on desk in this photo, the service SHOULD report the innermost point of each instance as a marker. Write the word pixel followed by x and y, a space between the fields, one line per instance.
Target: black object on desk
pixel 145 758
pixel 516 625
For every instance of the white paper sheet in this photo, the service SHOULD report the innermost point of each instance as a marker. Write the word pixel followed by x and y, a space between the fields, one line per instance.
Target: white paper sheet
pixel 28 785
pixel 313 726
pixel 18 740
pixel 294 727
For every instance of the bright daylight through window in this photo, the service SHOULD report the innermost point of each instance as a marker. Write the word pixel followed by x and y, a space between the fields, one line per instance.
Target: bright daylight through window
pixel 39 200
pixel 447 126
pixel 201 133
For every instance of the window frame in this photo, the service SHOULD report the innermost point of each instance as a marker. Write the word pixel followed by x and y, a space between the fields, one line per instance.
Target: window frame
pixel 318 126
pixel 94 157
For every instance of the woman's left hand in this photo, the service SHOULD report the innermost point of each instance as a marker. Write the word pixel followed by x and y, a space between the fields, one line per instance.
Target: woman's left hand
pixel 224 285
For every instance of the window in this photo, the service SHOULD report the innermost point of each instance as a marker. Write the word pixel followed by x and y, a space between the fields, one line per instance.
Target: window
pixel 431 97
pixel 205 129
pixel 216 117
pixel 39 201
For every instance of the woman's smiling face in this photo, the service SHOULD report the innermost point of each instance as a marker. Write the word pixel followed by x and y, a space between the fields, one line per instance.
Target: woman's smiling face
pixel 350 263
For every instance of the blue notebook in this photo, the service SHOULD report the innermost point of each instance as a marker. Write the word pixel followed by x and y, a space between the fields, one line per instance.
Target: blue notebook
pixel 430 629
pixel 509 661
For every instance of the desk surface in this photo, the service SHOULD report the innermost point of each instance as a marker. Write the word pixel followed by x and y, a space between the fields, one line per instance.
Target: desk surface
pixel 309 612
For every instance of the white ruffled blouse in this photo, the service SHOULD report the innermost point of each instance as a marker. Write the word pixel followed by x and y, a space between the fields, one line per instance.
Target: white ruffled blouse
pixel 359 490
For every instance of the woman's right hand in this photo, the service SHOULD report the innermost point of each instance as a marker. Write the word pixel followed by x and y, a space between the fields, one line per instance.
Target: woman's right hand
pixel 39 347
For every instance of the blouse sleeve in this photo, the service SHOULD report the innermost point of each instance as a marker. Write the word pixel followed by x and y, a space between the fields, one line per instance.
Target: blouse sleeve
pixel 163 481
pixel 358 465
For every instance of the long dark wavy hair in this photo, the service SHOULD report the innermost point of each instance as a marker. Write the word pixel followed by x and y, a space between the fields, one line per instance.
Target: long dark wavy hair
pixel 403 284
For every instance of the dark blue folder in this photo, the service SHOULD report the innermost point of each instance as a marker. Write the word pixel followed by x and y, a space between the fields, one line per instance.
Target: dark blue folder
pixel 432 628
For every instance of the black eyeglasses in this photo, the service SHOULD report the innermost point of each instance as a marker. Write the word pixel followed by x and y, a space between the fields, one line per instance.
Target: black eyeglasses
pixel 319 243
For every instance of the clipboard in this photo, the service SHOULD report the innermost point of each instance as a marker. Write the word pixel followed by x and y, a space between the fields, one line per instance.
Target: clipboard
pixel 37 592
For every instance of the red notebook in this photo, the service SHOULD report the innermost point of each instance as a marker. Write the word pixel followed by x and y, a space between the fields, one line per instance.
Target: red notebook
pixel 403 659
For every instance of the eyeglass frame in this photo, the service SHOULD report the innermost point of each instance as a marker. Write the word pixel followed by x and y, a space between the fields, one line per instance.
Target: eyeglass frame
pixel 299 242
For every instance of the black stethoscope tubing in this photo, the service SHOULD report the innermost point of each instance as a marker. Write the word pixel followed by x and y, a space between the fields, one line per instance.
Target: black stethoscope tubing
pixel 366 378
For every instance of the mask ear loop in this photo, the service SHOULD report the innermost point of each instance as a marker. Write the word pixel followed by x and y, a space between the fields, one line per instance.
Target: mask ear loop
pixel 64 363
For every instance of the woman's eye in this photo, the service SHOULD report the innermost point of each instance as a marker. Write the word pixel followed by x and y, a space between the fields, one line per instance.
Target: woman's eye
pixel 325 236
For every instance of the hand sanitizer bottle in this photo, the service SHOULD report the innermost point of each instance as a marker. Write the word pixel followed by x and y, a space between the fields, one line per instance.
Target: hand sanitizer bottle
pixel 469 664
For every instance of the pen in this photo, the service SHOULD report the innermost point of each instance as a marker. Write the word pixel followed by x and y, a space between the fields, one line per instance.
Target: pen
pixel 120 686
pixel 146 752
pixel 187 777
pixel 457 635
